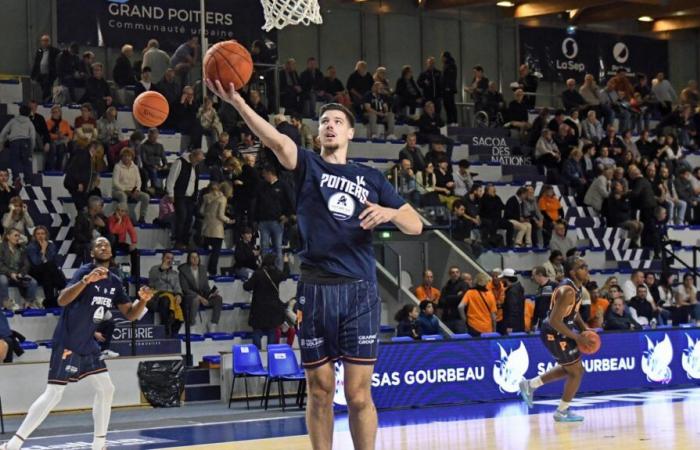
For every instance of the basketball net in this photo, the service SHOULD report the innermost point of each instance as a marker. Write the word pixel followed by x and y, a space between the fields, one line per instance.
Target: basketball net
pixel 280 13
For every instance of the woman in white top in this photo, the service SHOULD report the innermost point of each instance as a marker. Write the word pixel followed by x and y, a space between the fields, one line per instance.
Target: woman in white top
pixel 126 183
pixel 687 298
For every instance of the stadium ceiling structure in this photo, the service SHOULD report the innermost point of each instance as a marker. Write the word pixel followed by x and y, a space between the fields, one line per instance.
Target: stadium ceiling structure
pixel 656 15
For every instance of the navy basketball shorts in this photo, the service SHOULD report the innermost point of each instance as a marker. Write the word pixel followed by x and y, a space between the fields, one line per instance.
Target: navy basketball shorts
pixel 338 321
pixel 563 349
pixel 68 367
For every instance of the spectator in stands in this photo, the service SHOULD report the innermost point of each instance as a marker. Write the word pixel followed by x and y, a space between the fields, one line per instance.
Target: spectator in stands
pixel 86 116
pixel 642 307
pixel 311 81
pixel 285 127
pixel 182 186
pixel 464 222
pixel 334 89
pixel 7 192
pixel 590 92
pixel 599 306
pixel 267 312
pixel 215 152
pixel 643 199
pixel 256 103
pixel 376 110
pixel 359 84
pixel 167 296
pixel 171 90
pixel 618 213
pixel 462 178
pixel 554 265
pixel 380 76
pixel 14 271
pixel 518 114
pixel 19 132
pixel 307 136
pixel 407 318
pixel 426 291
pixel 44 67
pixel 686 296
pixel 686 192
pixel 108 130
pixel 126 183
pixel 450 299
pixel 690 95
pixel 513 305
pixel 196 291
pixel 18 218
pixel 572 174
pixel 665 189
pixel 290 86
pixel 145 83
pixel 599 190
pixel 614 144
pixel 186 120
pixel 80 176
pixel 444 183
pixel 61 135
pixel 493 104
pixel 97 91
pixel 184 59
pixel 514 213
pixel 550 206
pixel 215 219
pixel 89 225
pixel 246 255
pixel 449 86
pixel 431 84
pixel 528 82
pixel 427 322
pixel 45 266
pixel 546 151
pixel 588 161
pixel 618 319
pixel 42 132
pixel 408 94
pixel 491 214
pixel 478 87
pixel 543 298
pixel 635 281
pixel 406 183
pixel 592 129
pixel 412 152
pixel 153 158
pixel 478 307
pixel 209 121
pixel 664 93
pixel 120 226
pixel 571 98
pixel 122 74
pixel 68 70
pixel 272 209
pixel 155 59
pixel 531 212
pixel 560 241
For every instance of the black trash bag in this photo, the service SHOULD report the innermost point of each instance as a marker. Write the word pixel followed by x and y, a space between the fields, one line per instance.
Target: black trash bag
pixel 162 382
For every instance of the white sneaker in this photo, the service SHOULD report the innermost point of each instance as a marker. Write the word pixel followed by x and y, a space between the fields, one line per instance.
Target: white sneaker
pixel 391 137
pixel 108 354
pixel 10 305
pixel 211 327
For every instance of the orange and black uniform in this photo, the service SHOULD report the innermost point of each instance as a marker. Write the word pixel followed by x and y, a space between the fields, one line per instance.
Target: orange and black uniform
pixel 563 349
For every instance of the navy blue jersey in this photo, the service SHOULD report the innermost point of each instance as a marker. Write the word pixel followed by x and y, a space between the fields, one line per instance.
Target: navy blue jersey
pixel 76 327
pixel 330 198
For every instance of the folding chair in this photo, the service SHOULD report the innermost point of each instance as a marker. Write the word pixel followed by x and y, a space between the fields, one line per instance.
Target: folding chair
pixel 282 366
pixel 246 363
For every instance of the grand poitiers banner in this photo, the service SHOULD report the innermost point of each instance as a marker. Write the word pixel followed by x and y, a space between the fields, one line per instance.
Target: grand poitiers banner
pixel 472 370
pixel 558 54
pixel 113 23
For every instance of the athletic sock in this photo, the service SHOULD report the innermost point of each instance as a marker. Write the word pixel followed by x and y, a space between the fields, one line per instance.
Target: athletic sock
pixel 536 382
pixel 15 443
pixel 98 443
pixel 563 406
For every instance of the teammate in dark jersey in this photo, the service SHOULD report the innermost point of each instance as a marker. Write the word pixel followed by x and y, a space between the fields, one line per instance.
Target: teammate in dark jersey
pixel 75 354
pixel 338 205
pixel 561 334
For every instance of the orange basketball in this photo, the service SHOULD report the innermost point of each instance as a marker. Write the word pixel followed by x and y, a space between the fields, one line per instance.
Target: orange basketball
pixel 228 62
pixel 150 109
pixel 593 344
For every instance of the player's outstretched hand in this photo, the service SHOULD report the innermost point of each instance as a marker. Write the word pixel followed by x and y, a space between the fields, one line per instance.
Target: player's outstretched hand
pixel 374 215
pixel 229 96
pixel 145 293
pixel 97 274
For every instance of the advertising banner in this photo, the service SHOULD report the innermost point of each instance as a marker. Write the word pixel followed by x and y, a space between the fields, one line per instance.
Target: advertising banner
pixel 559 55
pixel 113 23
pixel 454 371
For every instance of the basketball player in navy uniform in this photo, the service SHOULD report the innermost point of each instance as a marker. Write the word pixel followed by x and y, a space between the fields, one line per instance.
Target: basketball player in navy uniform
pixel 75 354
pixel 561 334
pixel 338 205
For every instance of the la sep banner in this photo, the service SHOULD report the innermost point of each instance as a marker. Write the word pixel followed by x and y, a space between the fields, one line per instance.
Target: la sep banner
pixel 455 371
pixel 559 55
pixel 113 23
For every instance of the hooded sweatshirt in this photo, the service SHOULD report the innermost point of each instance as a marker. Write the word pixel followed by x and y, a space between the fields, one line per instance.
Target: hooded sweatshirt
pixel 20 127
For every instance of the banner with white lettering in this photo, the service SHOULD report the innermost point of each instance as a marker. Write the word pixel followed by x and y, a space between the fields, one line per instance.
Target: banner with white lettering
pixel 442 372
pixel 113 23
pixel 491 145
pixel 558 54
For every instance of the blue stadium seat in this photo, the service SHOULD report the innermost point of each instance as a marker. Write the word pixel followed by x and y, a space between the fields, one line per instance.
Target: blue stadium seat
pixel 282 365
pixel 219 336
pixel 212 359
pixel 518 333
pixel 462 336
pixel 432 337
pixel 402 339
pixel 193 337
pixel 246 363
pixel 490 335
pixel 34 313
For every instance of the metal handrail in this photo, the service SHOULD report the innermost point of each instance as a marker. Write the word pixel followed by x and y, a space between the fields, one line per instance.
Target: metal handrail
pixel 667 251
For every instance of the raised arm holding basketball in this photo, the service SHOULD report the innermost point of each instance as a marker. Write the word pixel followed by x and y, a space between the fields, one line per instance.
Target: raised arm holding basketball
pixel 284 148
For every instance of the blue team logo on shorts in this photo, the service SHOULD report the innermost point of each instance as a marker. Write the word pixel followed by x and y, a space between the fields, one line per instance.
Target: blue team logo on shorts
pixel 341 205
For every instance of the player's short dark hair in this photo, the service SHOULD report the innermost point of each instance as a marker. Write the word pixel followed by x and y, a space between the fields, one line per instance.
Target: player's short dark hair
pixel 539 270
pixel 338 107
pixel 569 264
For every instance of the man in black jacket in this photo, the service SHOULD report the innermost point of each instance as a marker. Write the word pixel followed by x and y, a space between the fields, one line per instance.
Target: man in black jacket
pixel 182 186
pixel 617 319
pixel 44 67
pixel 88 225
pixel 186 121
pixel 311 81
pixel 246 255
pixel 642 197
pixel 42 132
pixel 97 91
pixel 543 299
pixel 513 213
pixel 431 83
pixel 450 298
pixel 122 73
pixel 449 86
pixel 272 209
pixel 513 305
